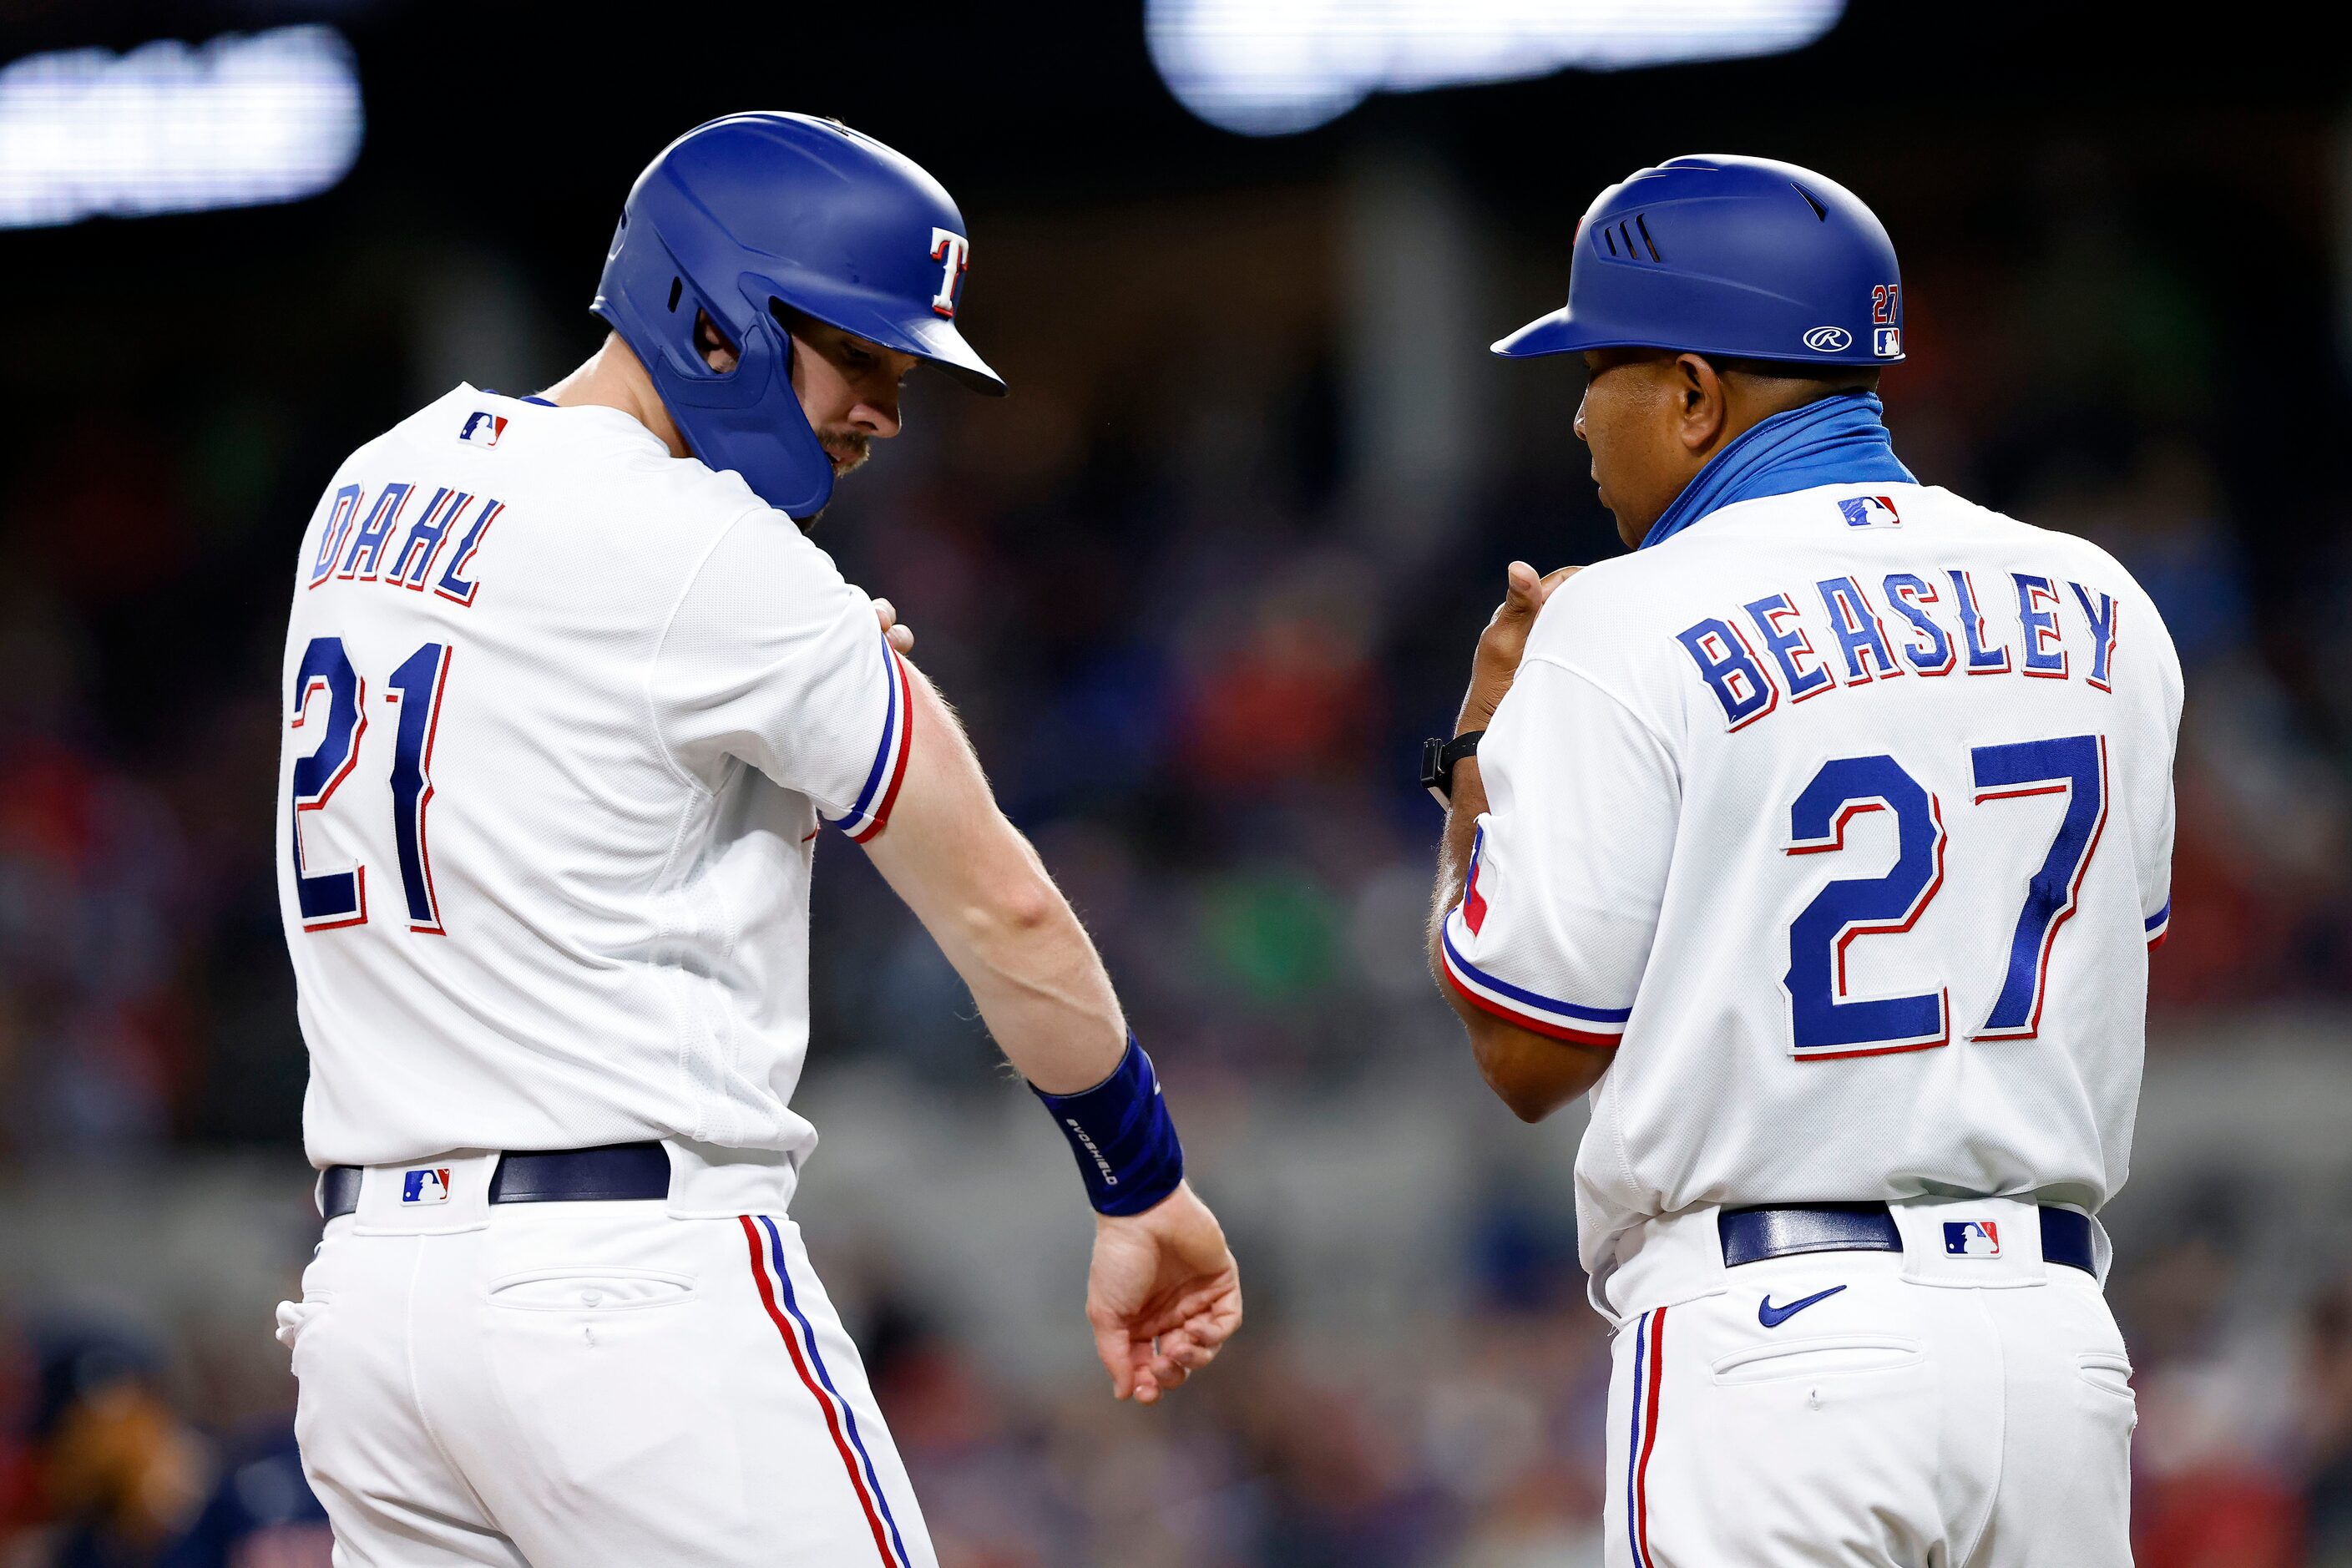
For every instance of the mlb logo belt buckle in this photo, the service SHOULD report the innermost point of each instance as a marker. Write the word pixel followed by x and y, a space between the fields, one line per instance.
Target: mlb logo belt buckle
pixel 1971 1238
pixel 429 1184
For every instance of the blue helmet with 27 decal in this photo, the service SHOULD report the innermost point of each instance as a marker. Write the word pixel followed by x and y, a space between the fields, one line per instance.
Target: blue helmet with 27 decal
pixel 1744 257
pixel 757 210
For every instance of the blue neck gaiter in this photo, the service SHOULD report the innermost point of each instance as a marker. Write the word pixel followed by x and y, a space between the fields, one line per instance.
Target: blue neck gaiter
pixel 1838 440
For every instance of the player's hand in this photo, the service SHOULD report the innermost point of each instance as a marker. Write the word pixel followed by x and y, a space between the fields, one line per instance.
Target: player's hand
pixel 1163 1296
pixel 901 637
pixel 1505 639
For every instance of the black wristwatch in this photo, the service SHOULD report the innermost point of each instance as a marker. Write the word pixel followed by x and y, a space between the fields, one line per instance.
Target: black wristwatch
pixel 1437 761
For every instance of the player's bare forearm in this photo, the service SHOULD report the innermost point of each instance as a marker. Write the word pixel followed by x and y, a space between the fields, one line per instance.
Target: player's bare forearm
pixel 981 890
pixel 1533 1074
pixel 1163 1293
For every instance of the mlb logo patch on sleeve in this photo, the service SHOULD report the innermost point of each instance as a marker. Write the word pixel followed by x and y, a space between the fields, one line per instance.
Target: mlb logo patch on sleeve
pixel 1869 511
pixel 431 1186
pixel 483 428
pixel 1971 1238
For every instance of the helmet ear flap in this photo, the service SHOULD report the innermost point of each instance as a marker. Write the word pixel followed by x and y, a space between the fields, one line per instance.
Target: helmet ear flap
pixel 665 308
pixel 678 326
pixel 689 325
pixel 747 419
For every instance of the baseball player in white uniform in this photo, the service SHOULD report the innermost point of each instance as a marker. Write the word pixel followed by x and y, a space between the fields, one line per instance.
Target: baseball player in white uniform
pixel 1822 837
pixel 570 697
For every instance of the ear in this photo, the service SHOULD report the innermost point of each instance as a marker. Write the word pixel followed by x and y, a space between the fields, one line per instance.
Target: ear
pixel 713 345
pixel 1703 406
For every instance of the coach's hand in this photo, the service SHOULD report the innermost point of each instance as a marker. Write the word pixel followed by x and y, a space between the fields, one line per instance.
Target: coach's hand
pixel 1164 1295
pixel 901 637
pixel 1504 640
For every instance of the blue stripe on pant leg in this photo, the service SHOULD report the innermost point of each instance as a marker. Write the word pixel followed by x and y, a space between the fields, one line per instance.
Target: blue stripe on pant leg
pixel 1634 1436
pixel 816 1358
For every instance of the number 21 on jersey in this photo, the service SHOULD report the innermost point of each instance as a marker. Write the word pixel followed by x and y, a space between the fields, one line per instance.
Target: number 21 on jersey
pixel 330 692
pixel 1822 1021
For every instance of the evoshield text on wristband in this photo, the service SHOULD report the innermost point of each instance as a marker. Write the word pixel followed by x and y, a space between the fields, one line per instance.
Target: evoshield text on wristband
pixel 1121 1134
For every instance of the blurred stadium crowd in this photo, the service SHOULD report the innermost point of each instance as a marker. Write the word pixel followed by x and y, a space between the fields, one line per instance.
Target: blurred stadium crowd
pixel 1198 630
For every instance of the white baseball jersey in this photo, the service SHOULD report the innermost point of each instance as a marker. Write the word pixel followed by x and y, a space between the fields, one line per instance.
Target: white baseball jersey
pixel 1847 817
pixel 563 715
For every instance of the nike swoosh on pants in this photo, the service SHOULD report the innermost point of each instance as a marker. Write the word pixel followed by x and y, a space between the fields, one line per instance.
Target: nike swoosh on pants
pixel 1772 1317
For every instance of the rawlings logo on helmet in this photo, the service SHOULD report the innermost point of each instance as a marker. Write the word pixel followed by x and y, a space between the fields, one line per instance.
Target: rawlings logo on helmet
pixel 1829 340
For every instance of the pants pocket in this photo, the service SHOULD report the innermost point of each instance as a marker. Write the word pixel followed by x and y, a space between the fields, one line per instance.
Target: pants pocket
pixel 2107 1373
pixel 1826 1355
pixel 591 1287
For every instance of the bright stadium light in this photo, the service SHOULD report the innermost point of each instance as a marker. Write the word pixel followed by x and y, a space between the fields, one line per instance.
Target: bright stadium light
pixel 174 127
pixel 1267 67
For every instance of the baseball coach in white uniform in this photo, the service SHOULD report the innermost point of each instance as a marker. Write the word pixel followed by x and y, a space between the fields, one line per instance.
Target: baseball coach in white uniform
pixel 1824 837
pixel 570 695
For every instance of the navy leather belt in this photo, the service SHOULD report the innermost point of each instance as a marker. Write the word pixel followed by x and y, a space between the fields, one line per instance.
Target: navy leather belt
pixel 1784 1230
pixel 618 1172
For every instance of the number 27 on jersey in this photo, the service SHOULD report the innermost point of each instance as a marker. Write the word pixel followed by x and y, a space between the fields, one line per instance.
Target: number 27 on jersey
pixel 1822 1021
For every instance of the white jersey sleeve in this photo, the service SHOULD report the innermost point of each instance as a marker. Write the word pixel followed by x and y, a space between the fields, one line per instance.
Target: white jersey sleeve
pixel 2156 807
pixel 772 659
pixel 1561 903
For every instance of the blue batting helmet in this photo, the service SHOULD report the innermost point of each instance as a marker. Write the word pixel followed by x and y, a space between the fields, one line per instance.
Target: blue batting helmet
pixel 755 209
pixel 1739 257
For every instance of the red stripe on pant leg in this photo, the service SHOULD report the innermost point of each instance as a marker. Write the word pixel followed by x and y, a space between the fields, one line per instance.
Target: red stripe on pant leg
pixel 832 1418
pixel 1650 1433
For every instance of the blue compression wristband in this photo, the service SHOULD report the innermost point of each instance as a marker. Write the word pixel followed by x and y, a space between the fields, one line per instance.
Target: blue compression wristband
pixel 1120 1131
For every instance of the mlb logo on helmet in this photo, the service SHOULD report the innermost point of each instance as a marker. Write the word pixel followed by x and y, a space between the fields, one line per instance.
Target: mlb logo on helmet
pixel 1887 341
pixel 1869 511
pixel 483 428
pixel 431 1186
pixel 1971 1238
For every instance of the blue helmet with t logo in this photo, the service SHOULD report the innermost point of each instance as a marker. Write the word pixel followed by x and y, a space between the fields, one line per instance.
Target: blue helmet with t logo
pixel 1743 258
pixel 758 210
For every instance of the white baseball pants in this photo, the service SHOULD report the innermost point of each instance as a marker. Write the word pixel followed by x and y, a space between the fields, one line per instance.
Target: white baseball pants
pixel 1918 1410
pixel 579 1384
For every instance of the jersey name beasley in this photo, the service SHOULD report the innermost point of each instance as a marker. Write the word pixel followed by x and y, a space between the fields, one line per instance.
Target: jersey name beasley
pixel 1847 817
pixel 563 715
